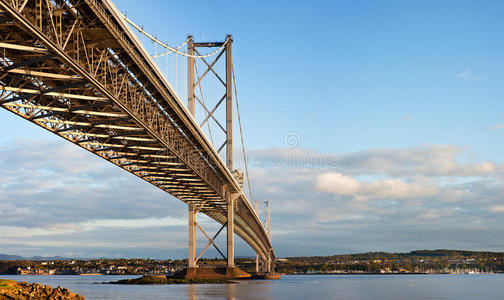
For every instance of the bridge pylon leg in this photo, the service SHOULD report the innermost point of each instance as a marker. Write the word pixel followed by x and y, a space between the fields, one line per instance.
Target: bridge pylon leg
pixel 230 233
pixel 192 236
pixel 229 103
pixel 257 263
pixel 269 261
pixel 190 77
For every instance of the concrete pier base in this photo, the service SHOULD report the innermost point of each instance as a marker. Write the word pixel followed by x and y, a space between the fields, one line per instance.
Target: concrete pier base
pixel 212 273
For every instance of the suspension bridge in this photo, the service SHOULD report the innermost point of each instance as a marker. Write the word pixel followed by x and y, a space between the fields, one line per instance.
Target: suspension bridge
pixel 77 69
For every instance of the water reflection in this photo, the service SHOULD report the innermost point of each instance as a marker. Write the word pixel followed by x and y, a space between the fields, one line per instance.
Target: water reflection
pixel 191 292
pixel 260 290
pixel 230 291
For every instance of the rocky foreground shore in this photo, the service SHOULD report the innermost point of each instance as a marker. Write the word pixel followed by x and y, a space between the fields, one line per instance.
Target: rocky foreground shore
pixel 13 290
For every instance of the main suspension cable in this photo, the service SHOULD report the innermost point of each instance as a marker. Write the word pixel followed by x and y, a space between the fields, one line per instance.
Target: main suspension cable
pixel 241 134
pixel 175 50
pixel 170 51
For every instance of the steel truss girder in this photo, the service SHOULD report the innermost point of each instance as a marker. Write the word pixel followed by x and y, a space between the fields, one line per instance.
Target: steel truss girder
pixel 145 113
pixel 93 46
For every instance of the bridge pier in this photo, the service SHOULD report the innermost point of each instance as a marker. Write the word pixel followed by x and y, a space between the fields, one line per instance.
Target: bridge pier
pixel 230 233
pixel 192 270
pixel 192 236
pixel 257 263
pixel 269 262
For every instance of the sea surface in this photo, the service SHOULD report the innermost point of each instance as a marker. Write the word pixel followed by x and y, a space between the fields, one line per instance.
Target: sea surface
pixel 311 287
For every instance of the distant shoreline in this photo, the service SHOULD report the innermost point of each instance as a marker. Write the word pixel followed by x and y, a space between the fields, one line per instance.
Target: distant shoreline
pixel 411 273
pixel 283 274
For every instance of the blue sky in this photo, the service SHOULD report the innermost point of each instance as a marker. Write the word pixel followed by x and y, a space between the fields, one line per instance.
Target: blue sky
pixel 395 109
pixel 372 74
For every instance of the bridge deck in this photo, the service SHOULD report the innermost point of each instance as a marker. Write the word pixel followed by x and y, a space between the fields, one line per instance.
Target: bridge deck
pixel 76 69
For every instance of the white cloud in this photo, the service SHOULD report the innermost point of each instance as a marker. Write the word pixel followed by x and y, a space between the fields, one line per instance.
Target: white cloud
pixel 496 127
pixel 468 75
pixel 131 223
pixel 464 74
pixel 425 160
pixel 337 215
pixel 337 183
pixel 82 227
pixel 485 168
pixel 24 232
pixel 114 245
pixel 357 199
pixel 435 214
pixel 497 208
pixel 395 188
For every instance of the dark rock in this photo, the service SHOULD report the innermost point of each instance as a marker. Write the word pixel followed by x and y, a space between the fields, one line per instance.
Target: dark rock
pixel 12 290
pixel 167 280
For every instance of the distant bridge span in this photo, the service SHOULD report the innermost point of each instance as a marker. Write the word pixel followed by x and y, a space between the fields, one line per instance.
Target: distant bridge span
pixel 75 68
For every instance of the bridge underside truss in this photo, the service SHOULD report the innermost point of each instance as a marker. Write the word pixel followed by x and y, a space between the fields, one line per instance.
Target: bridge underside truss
pixel 74 68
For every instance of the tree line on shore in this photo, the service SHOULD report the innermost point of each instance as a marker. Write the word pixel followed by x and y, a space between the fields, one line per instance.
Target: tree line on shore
pixel 418 261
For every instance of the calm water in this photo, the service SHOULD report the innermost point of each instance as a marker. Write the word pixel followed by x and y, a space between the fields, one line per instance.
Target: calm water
pixel 310 287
